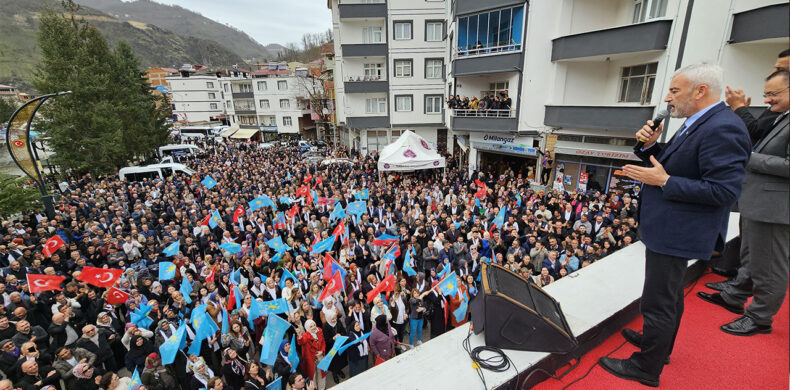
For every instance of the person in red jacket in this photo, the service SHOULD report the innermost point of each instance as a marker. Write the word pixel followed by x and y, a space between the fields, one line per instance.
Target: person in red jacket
pixel 313 349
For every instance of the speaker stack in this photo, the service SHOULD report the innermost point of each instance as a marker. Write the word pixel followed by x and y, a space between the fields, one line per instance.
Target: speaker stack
pixel 517 314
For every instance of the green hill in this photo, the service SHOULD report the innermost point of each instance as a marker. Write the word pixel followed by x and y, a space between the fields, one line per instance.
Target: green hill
pixel 153 46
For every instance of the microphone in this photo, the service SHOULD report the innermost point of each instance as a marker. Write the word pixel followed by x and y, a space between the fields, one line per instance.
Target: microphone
pixel 656 122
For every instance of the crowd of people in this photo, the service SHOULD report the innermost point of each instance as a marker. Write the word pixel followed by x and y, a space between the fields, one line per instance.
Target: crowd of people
pixel 497 104
pixel 192 250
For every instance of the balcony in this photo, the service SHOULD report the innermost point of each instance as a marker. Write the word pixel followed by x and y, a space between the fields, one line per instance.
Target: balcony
pixel 242 95
pixel 598 117
pixel 248 126
pixel 463 7
pixel 366 84
pixel 634 38
pixel 503 61
pixel 364 50
pixel 267 128
pixel 363 10
pixel 367 122
pixel 497 121
pixel 245 111
pixel 760 23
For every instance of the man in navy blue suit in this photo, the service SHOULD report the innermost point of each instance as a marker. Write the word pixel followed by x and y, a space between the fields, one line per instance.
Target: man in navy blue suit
pixel 690 184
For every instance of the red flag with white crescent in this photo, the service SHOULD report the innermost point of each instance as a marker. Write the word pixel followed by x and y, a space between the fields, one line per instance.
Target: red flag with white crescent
pixel 308 178
pixel 52 245
pixel 318 181
pixel 210 278
pixel 238 213
pixel 37 283
pixel 328 260
pixel 293 211
pixel 388 284
pixel 231 298
pixel 334 285
pixel 116 296
pixel 205 220
pixel 100 277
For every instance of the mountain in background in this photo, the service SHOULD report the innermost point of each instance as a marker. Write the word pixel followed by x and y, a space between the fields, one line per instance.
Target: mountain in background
pixel 153 45
pixel 187 24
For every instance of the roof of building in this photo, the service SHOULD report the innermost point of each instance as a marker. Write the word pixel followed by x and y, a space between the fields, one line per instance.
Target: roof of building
pixel 328 48
pixel 272 72
pixel 6 86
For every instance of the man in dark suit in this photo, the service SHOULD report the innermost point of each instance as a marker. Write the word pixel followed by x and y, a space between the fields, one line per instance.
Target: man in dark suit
pixel 690 184
pixel 765 223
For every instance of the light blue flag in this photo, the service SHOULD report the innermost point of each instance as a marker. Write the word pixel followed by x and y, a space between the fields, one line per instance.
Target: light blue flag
pixel 225 321
pixel 135 379
pixel 357 341
pixel 314 195
pixel 518 200
pixel 460 312
pixel 285 200
pixel 288 177
pixel 338 212
pixel 185 290
pixel 239 296
pixel 449 285
pixel 277 256
pixel 362 195
pixel 499 221
pixel 272 335
pixel 445 271
pixel 276 385
pixel 261 201
pixel 209 182
pixel 197 311
pixel 277 244
pixel 205 326
pixel 140 316
pixel 457 225
pixel 324 245
pixel 324 363
pixel 407 268
pixel 256 310
pixel 277 306
pixel 170 347
pixel 477 203
pixel 194 348
pixel 172 249
pixel 231 247
pixel 293 357
pixel 235 276
pixel 167 270
pixel 287 275
pixel 214 220
pixel 357 208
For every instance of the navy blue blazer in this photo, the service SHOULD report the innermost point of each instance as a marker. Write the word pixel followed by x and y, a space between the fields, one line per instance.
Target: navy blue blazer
pixel 689 217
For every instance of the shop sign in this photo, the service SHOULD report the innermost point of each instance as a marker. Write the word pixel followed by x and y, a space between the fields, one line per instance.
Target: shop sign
pixel 515 149
pixel 598 153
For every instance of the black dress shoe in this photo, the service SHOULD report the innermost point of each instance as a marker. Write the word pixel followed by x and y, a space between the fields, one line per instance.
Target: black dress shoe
pixel 336 378
pixel 718 286
pixel 625 369
pixel 716 299
pixel 635 338
pixel 745 326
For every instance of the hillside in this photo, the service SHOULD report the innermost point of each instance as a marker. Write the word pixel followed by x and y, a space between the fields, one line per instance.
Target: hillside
pixel 19 54
pixel 185 23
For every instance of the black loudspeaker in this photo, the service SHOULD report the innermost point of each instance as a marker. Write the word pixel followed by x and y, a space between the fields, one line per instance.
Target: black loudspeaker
pixel 517 314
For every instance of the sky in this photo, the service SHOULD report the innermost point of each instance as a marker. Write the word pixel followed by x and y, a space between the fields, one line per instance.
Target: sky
pixel 266 21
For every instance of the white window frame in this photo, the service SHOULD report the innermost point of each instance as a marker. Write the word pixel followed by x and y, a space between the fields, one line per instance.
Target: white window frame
pixel 376 105
pixel 402 30
pixel 287 121
pixel 404 103
pixel 265 86
pixel 282 83
pixel 373 34
pixel 212 95
pixel 374 71
pixel 646 90
pixel 213 106
pixel 402 65
pixel 285 104
pixel 647 10
pixel 433 102
pixel 210 84
pixel 431 69
pixel 264 103
pixel 431 35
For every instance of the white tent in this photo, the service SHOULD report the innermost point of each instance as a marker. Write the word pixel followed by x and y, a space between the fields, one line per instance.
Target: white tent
pixel 409 152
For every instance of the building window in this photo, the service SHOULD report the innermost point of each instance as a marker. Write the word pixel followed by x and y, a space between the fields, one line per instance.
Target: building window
pixel 228 103
pixel 226 87
pixel 209 84
pixel 403 68
pixel 645 10
pixel 636 83
pixel 285 104
pixel 433 68
pixel 433 104
pixel 212 106
pixel 376 106
pixel 269 120
pixel 287 121
pixel 403 102
pixel 282 85
pixel 374 71
pixel 402 30
pixel 264 103
pixel 434 31
pixel 372 35
pixel 490 32
pixel 262 86
pixel 497 88
pixel 212 95
pixel 377 139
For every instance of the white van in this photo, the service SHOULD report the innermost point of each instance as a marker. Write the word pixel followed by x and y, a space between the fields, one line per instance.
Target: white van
pixel 178 149
pixel 153 171
pixel 201 131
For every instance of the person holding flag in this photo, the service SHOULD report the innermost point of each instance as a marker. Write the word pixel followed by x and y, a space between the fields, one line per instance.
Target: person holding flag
pixel 358 351
pixel 313 349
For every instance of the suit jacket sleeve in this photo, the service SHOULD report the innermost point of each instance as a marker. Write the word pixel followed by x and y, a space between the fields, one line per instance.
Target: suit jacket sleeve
pixel 770 165
pixel 748 119
pixel 721 161
pixel 651 151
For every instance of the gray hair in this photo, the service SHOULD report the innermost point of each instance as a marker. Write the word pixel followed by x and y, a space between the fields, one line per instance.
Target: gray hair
pixel 710 75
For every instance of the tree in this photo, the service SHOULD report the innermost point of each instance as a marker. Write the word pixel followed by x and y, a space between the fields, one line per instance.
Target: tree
pixel 7 108
pixel 17 197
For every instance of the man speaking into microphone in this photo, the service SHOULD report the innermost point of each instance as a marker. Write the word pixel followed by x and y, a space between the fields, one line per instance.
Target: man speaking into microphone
pixel 690 183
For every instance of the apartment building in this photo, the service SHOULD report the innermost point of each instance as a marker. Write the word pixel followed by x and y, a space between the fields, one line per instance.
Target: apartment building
pixel 390 61
pixel 196 96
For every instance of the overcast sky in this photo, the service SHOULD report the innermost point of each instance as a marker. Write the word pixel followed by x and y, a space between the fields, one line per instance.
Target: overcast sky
pixel 266 21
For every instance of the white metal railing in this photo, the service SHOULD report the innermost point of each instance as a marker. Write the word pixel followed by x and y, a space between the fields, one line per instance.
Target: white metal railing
pixel 366 78
pixel 506 113
pixel 480 49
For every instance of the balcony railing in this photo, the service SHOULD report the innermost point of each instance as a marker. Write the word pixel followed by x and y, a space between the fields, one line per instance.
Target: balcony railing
pixel 366 78
pixel 481 50
pixel 507 113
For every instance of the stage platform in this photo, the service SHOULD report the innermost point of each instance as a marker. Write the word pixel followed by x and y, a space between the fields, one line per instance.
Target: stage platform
pixel 597 301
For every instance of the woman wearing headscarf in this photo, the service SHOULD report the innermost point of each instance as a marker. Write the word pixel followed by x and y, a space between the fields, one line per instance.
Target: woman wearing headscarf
pixel 332 329
pixel 313 349
pixel 156 376
pixel 270 290
pixel 84 375
pixel 379 308
pixel 358 354
pixel 382 339
pixel 200 376
pixel 283 366
pixel 233 369
pixel 139 349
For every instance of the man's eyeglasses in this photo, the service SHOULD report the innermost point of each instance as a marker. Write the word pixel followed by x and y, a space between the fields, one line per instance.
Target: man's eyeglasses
pixel 774 93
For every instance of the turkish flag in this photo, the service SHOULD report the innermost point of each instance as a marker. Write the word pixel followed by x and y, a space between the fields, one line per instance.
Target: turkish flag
pixel 388 284
pixel 238 213
pixel 334 285
pixel 115 296
pixel 52 245
pixel 37 283
pixel 308 178
pixel 318 181
pixel 339 229
pixel 328 260
pixel 100 277
pixel 293 211
pixel 231 303
pixel 210 277
pixel 205 220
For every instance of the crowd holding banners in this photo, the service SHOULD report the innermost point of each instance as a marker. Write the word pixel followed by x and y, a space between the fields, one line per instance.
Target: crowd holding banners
pixel 209 282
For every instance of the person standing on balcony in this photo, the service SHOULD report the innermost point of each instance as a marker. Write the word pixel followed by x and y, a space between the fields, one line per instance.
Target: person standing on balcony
pixel 545 174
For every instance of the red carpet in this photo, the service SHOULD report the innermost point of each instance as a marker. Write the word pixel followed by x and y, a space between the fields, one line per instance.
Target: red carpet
pixel 704 356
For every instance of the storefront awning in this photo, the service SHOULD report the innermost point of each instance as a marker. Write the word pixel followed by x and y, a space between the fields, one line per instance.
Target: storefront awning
pixel 229 131
pixel 462 143
pixel 244 134
pixel 595 150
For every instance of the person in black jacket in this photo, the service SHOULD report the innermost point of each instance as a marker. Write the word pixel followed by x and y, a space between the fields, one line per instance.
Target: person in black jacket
pixel 283 366
pixel 233 369
pixel 96 343
pixel 357 354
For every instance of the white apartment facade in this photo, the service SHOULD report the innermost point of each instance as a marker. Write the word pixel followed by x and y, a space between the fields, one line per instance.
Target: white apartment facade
pixel 196 98
pixel 390 61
